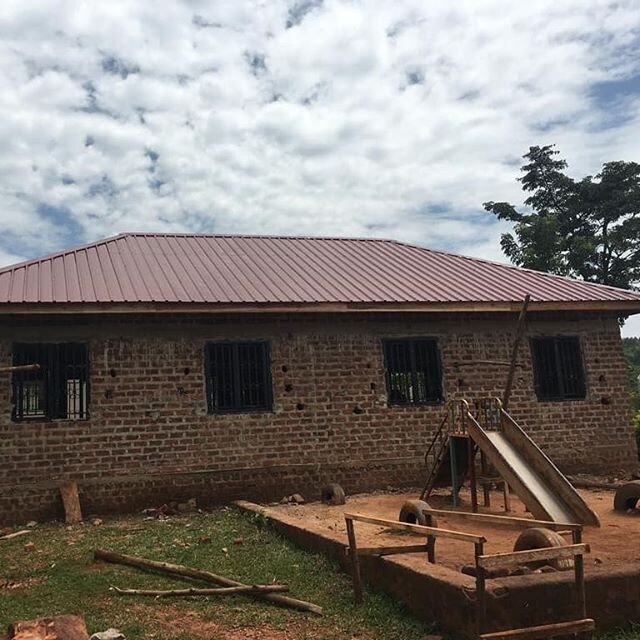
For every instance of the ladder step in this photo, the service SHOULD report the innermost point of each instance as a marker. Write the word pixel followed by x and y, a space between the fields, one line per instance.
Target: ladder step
pixel 543 631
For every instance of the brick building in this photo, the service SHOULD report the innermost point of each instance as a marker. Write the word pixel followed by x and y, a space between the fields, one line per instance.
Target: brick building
pixel 221 367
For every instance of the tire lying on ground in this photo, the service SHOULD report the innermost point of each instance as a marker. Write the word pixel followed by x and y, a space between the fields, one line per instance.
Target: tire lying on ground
pixel 332 494
pixel 627 496
pixel 412 512
pixel 541 538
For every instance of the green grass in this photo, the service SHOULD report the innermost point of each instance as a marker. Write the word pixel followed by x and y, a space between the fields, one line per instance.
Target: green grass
pixel 60 576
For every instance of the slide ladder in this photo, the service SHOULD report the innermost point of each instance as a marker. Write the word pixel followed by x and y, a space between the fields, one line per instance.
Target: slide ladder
pixel 451 437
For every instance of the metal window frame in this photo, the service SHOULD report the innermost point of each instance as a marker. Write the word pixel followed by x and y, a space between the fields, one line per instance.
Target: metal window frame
pixel 561 395
pixel 412 341
pixel 53 376
pixel 267 378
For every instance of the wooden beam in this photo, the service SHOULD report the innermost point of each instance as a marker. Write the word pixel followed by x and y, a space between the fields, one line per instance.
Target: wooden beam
pixel 505 520
pixel 436 532
pixel 543 631
pixel 498 560
pixel 390 551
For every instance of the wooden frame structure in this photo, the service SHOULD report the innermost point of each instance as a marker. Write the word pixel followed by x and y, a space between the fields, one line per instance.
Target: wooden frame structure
pixel 483 564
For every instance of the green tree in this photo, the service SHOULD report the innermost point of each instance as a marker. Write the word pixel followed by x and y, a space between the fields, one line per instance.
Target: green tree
pixel 631 347
pixel 589 228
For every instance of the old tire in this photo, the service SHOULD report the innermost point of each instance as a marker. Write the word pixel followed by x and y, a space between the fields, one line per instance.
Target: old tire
pixel 541 538
pixel 412 512
pixel 332 494
pixel 627 496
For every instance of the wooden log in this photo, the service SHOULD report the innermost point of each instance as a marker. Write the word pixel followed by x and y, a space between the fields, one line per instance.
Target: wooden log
pixel 221 591
pixel 71 502
pixel 58 628
pixel 15 534
pixel 204 576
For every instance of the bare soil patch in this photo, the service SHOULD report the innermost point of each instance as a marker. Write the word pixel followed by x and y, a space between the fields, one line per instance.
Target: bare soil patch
pixel 611 544
pixel 173 620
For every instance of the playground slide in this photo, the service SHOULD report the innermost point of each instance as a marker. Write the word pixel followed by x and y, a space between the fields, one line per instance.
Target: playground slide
pixel 531 475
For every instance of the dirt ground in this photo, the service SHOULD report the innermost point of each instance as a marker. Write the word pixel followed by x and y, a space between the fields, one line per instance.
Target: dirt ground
pixel 611 545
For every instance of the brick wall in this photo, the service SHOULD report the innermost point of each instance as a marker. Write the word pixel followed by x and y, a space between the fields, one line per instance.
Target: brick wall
pixel 149 438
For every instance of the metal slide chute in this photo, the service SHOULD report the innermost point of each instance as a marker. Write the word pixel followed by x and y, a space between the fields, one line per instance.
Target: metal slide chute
pixel 542 487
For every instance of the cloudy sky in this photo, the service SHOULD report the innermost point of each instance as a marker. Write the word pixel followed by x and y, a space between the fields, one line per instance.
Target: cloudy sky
pixel 352 117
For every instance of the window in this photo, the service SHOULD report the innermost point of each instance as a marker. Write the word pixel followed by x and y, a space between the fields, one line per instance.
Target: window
pixel 58 390
pixel 238 376
pixel 414 374
pixel 557 368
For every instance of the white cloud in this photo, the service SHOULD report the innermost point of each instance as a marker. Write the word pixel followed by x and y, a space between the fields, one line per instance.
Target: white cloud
pixel 362 118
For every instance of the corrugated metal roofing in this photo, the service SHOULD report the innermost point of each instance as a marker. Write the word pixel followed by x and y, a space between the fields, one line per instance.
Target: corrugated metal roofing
pixel 217 269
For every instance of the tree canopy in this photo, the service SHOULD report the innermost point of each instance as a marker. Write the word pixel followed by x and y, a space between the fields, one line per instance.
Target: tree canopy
pixel 588 228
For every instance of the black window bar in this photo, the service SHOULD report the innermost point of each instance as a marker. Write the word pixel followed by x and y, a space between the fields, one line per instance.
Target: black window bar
pixel 557 368
pixel 413 371
pixel 238 377
pixel 58 389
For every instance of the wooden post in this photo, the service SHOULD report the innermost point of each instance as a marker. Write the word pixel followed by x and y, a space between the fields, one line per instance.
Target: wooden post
pixel 507 500
pixel 355 562
pixel 472 476
pixel 431 541
pixel 514 352
pixel 486 494
pixel 481 592
pixel 578 564
pixel 454 471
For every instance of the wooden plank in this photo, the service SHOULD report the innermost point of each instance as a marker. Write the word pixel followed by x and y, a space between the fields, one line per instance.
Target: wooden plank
pixel 389 551
pixel 355 563
pixel 543 631
pixel 506 520
pixel 405 526
pixel 499 560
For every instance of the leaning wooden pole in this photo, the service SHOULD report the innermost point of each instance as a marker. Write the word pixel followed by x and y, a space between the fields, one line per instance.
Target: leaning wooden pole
pixel 514 352
pixel 204 576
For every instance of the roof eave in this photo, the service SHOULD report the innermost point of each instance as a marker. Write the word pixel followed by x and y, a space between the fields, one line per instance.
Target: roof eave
pixel 621 307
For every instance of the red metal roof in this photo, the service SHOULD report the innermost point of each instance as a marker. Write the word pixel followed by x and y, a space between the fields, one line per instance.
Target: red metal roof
pixel 227 270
